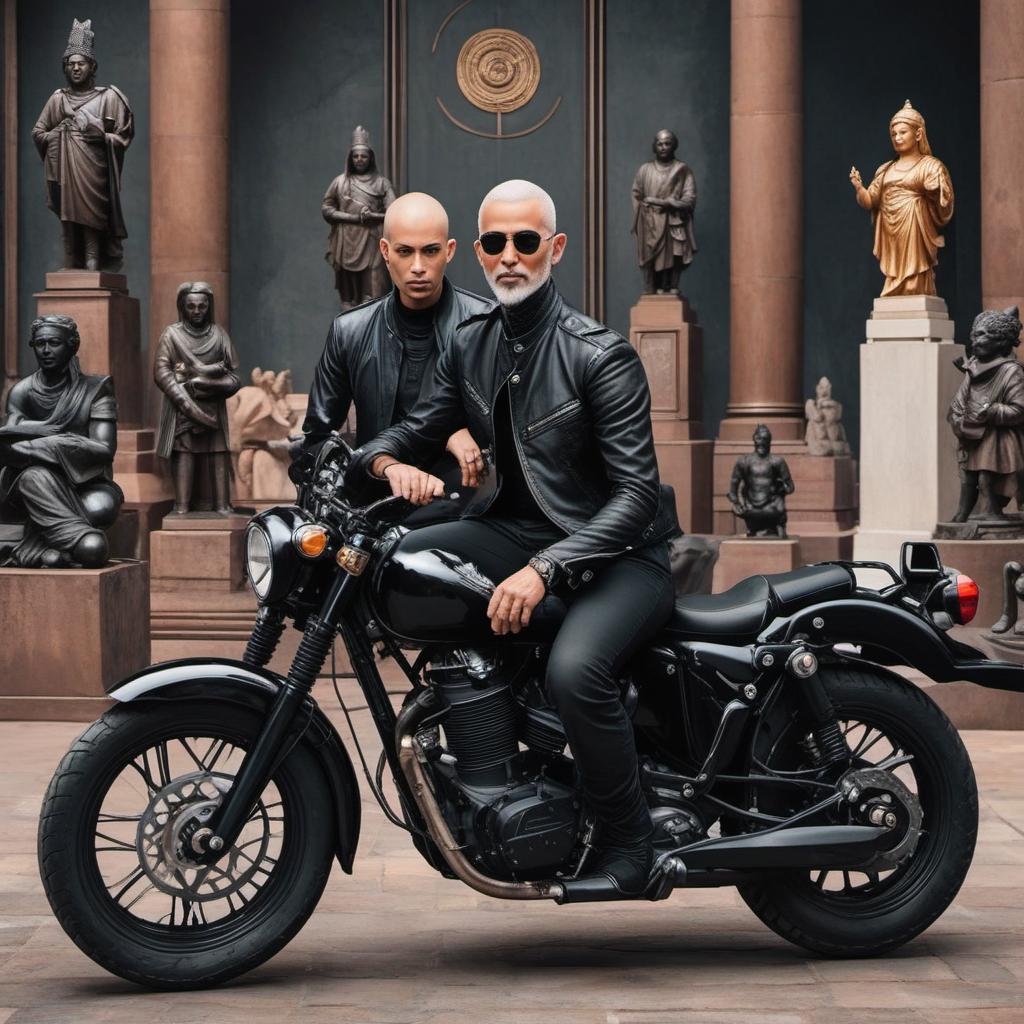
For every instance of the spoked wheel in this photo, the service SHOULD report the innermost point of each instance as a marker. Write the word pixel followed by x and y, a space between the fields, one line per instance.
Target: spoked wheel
pixel 115 839
pixel 906 760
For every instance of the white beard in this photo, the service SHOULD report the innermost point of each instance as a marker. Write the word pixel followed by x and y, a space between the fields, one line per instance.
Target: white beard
pixel 512 295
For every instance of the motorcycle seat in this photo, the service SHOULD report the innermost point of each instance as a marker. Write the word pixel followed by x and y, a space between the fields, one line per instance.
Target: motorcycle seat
pixel 737 615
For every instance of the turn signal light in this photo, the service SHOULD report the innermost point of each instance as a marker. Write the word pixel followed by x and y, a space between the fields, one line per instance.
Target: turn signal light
pixel 310 541
pixel 960 599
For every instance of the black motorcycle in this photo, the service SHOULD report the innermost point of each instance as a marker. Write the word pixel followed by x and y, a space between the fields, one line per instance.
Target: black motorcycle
pixel 189 832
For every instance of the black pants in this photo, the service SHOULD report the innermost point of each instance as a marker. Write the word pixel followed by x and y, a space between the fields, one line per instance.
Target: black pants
pixel 609 619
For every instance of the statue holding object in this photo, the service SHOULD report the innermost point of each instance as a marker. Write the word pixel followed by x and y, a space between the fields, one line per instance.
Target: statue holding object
pixel 911 200
pixel 758 489
pixel 194 367
pixel 57 445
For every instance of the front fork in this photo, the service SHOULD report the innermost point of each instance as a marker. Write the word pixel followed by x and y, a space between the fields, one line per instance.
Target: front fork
pixel 263 757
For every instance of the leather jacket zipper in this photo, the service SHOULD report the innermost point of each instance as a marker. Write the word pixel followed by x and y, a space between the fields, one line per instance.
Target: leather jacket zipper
pixel 476 396
pixel 553 417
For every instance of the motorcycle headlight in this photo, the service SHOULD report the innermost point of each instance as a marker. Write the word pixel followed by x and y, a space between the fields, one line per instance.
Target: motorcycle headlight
pixel 258 561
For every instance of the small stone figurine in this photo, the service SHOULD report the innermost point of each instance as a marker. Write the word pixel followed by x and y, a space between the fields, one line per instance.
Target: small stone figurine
pixel 1008 631
pixel 760 483
pixel 57 445
pixel 825 434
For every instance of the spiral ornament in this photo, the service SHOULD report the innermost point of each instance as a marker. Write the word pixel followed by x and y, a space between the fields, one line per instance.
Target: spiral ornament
pixel 498 70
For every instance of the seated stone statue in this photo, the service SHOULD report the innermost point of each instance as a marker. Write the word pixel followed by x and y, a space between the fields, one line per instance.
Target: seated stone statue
pixel 987 416
pixel 57 448
pixel 825 434
pixel 760 483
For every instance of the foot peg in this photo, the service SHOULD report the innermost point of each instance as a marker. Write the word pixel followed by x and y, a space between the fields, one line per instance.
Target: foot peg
pixel 668 874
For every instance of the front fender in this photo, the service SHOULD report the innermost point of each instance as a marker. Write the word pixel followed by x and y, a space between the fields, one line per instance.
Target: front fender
pixel 234 682
pixel 892 635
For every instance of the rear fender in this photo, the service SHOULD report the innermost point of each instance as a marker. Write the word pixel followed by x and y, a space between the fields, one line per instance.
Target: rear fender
pixel 894 636
pixel 247 686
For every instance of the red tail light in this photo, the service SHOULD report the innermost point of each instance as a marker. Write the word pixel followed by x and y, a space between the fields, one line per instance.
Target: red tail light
pixel 960 599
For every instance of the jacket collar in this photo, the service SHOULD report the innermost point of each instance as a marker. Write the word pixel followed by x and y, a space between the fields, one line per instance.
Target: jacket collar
pixel 443 308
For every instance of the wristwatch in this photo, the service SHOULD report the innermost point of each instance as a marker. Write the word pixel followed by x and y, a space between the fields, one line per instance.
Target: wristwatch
pixel 544 568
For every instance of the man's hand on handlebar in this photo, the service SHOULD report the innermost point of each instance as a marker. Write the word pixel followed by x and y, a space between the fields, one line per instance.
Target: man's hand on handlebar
pixel 415 485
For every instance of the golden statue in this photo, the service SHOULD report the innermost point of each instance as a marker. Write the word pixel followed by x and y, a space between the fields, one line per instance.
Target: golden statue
pixel 910 199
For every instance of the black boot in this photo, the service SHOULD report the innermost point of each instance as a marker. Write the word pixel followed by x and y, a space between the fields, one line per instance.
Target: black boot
pixel 627 862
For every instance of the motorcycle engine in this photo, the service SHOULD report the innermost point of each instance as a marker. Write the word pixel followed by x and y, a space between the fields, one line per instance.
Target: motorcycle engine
pixel 515 810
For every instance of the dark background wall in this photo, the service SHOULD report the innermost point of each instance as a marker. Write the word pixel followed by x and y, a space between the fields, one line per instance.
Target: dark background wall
pixel 122 49
pixel 668 67
pixel 302 76
pixel 859 66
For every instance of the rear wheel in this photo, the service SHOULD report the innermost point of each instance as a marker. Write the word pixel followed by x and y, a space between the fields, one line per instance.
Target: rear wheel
pixel 892 724
pixel 113 846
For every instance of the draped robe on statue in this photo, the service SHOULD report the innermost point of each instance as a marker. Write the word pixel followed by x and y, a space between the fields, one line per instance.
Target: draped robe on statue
pixel 67 489
pixel 354 248
pixel 909 208
pixel 663 235
pixel 82 138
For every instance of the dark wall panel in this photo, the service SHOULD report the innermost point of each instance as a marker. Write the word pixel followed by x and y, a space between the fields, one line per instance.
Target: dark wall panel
pixel 859 67
pixel 668 67
pixel 458 167
pixel 122 49
pixel 302 77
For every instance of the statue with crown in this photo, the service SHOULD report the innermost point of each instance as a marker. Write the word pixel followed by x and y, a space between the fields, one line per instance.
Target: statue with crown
pixel 81 136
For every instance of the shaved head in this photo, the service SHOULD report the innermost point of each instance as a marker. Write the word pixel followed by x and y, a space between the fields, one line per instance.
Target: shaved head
pixel 415 212
pixel 518 190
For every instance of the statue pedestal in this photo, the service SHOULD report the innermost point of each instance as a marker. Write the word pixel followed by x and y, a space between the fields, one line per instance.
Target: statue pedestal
pixel 738 559
pixel 198 552
pixel 108 323
pixel 145 481
pixel 69 635
pixel 664 331
pixel 908 478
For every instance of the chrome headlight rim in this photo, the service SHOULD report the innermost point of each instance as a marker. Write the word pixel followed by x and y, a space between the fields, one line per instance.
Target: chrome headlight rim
pixel 262 577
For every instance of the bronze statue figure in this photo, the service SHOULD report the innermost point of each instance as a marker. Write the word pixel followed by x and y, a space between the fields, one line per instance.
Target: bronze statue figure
pixel 195 368
pixel 825 433
pixel 354 206
pixel 1013 594
pixel 664 197
pixel 57 445
pixel 82 135
pixel 758 489
pixel 987 416
pixel 911 200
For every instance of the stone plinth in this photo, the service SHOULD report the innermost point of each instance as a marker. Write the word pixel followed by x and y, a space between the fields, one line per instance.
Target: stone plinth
pixel 738 559
pixel 145 480
pixel 197 552
pixel 909 318
pixel 69 636
pixel 108 323
pixel 908 477
pixel 665 332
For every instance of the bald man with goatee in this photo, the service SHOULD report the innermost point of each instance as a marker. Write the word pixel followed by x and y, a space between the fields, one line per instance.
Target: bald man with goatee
pixel 380 355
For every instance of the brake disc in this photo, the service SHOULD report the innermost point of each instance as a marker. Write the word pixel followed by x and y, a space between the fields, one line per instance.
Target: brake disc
pixel 879 792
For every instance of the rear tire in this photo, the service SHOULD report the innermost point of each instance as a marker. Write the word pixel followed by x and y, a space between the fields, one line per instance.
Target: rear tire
pixel 192 953
pixel 848 924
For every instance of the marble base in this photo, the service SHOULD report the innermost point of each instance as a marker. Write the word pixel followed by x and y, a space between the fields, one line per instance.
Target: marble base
pixel 909 318
pixel 70 635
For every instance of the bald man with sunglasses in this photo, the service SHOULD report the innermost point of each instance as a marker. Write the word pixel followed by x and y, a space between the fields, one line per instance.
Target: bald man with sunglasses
pixel 578 509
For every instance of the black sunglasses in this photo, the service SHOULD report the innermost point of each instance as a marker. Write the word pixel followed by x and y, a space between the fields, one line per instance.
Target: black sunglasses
pixel 526 242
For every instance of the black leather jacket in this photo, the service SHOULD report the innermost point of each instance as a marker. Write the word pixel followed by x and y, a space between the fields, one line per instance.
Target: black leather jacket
pixel 581 417
pixel 362 359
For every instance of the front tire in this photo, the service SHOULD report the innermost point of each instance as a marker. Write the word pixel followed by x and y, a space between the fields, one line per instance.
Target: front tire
pixel 113 806
pixel 853 919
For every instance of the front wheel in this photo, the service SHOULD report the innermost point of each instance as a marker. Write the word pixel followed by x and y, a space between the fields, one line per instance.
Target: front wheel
pixel 891 724
pixel 113 840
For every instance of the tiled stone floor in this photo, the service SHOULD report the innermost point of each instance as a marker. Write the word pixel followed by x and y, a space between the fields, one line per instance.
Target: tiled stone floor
pixel 396 943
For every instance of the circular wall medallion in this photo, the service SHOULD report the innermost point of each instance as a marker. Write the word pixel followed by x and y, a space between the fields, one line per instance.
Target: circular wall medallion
pixel 498 70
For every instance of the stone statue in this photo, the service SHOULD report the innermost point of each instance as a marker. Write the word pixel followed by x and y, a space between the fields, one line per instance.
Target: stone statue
pixel 758 489
pixel 664 197
pixel 354 206
pixel 910 199
pixel 195 367
pixel 825 434
pixel 987 416
pixel 261 423
pixel 1013 592
pixel 57 444
pixel 82 135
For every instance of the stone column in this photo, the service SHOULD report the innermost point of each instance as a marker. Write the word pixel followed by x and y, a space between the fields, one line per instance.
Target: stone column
pixel 1002 153
pixel 189 160
pixel 766 221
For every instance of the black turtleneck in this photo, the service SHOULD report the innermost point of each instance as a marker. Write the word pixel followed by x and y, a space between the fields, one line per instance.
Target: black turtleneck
pixel 416 332
pixel 524 323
